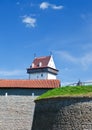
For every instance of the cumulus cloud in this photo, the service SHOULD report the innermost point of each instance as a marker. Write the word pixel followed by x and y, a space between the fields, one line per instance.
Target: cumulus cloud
pixel 29 21
pixel 45 5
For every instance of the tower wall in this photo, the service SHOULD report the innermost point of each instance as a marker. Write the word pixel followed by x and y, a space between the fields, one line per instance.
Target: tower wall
pixel 42 75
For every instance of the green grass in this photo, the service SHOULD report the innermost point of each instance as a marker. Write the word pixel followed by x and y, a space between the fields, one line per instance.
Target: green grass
pixel 68 91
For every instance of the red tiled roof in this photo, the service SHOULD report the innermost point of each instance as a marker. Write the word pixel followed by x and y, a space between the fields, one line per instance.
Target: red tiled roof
pixel 29 83
pixel 43 60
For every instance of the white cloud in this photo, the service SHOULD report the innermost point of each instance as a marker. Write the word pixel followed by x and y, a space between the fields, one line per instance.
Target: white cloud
pixel 85 61
pixel 65 55
pixel 11 72
pixel 57 7
pixel 29 21
pixel 45 5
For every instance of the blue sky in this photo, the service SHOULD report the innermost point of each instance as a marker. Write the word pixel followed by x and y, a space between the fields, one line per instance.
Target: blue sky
pixel 63 27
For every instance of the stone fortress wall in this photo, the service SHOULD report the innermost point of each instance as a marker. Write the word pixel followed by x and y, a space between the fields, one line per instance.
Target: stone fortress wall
pixel 16 112
pixel 17 108
pixel 67 113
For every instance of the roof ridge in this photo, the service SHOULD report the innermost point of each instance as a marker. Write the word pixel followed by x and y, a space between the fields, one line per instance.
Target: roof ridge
pixel 42 57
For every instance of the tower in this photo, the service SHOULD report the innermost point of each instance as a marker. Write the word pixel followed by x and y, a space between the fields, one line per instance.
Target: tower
pixel 42 68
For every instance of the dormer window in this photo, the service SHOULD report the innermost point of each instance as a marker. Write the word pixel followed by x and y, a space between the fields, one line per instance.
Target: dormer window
pixel 32 65
pixel 40 64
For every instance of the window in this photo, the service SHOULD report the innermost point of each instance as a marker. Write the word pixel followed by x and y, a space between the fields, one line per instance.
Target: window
pixel 32 94
pixel 6 94
pixel 41 75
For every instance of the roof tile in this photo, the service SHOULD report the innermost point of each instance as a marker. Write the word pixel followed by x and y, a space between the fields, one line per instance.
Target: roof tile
pixel 29 83
pixel 43 60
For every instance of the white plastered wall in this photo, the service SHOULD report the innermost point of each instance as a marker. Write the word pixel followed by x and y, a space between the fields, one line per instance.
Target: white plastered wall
pixel 42 76
pixel 51 63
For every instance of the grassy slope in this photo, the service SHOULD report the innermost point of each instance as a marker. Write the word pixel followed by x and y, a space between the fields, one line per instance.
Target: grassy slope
pixel 68 92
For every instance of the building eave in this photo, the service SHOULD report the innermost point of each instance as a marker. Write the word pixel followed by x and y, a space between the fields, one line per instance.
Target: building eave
pixel 42 69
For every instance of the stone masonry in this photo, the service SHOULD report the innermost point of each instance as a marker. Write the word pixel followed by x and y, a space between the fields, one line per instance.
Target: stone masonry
pixel 67 113
pixel 16 112
pixel 17 107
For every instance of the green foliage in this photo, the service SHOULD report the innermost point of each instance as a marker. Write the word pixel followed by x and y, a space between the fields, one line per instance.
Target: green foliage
pixel 68 91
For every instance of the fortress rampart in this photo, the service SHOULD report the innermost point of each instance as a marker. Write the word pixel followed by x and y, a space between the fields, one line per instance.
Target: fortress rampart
pixel 67 113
